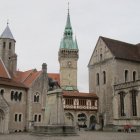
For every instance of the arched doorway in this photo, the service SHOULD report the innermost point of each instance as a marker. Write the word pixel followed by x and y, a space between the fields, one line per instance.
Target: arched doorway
pixel 82 120
pixel 2 117
pixel 69 118
pixel 92 122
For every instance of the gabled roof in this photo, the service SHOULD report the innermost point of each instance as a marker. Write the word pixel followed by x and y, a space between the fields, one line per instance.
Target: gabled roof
pixel 27 77
pixel 123 50
pixel 79 94
pixel 3 71
pixel 7 33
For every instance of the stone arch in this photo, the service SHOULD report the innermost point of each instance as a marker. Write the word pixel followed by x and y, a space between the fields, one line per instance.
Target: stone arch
pixel 69 118
pixel 82 119
pixel 92 121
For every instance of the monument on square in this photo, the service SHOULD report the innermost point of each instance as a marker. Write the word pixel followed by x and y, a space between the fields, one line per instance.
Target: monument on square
pixel 54 122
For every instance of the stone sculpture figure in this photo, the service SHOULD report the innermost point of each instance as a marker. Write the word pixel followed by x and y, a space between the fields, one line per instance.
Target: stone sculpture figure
pixel 53 84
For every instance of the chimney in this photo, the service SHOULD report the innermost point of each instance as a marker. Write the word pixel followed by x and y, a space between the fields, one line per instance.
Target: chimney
pixel 44 67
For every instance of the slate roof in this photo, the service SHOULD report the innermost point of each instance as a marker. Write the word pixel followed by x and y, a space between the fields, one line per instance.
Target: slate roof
pixel 123 50
pixel 7 33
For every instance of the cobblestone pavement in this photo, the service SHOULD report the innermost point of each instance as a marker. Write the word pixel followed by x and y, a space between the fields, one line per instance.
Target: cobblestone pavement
pixel 83 135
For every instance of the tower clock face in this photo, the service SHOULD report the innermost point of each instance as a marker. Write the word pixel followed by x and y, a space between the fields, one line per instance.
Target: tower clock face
pixel 69 63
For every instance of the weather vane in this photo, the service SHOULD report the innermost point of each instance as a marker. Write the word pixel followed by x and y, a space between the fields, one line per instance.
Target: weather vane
pixel 68 7
pixel 7 21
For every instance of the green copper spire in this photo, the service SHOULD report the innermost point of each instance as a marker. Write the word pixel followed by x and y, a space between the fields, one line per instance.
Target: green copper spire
pixel 67 41
pixel 68 23
pixel 68 28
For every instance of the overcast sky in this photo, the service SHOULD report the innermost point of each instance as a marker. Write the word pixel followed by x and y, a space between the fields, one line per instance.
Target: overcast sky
pixel 38 26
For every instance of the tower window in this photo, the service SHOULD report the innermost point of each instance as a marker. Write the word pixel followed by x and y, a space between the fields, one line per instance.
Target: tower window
pixel 134 75
pixel 126 75
pixel 10 44
pixel 4 45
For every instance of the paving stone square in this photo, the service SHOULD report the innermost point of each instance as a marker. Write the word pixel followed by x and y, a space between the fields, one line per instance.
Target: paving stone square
pixel 83 135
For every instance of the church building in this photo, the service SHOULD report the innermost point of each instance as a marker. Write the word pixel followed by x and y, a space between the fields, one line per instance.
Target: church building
pixel 114 75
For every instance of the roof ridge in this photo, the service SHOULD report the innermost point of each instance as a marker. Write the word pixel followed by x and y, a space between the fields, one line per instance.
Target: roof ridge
pixel 106 38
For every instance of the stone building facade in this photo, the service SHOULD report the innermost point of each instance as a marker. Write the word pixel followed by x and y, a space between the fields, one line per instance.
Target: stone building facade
pixel 23 93
pixel 114 73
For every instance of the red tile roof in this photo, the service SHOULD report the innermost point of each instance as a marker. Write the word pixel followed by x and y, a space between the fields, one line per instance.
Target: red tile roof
pixel 55 76
pixel 3 71
pixel 27 77
pixel 79 94
pixel 11 82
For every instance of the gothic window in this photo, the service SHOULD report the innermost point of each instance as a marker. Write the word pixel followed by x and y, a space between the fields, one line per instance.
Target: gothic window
pixel 36 98
pixel 16 96
pixel 10 44
pixel 97 79
pixel 104 77
pixel 126 75
pixel 122 104
pixel 134 75
pixel 134 103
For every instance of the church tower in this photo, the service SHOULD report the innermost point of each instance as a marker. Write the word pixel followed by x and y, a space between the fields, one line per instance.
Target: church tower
pixel 68 57
pixel 7 50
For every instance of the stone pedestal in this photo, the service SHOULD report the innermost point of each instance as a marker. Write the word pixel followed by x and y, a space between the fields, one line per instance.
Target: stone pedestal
pixel 54 112
pixel 54 123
